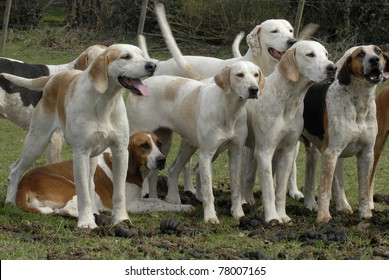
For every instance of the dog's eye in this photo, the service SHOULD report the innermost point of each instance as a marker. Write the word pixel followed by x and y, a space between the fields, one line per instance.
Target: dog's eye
pixel 126 56
pixel 159 145
pixel 311 54
pixel 361 55
pixel 256 75
pixel 291 31
pixel 144 146
pixel 378 51
pixel 240 75
pixel 274 31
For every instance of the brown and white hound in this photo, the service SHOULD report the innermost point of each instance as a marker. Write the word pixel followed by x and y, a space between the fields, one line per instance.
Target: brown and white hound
pixel 340 120
pixel 51 189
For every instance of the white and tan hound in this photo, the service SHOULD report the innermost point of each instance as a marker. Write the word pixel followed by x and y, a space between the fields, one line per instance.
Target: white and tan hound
pixel 211 116
pixel 275 121
pixel 88 107
pixel 17 103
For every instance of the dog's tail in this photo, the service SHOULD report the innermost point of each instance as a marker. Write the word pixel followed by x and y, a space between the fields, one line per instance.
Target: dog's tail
pixel 171 43
pixel 236 43
pixel 143 46
pixel 307 31
pixel 33 84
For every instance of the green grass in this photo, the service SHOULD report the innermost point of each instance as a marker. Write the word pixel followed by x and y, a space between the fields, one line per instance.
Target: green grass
pixel 34 236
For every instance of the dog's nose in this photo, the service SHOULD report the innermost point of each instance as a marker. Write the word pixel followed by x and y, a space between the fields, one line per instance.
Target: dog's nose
pixel 331 70
pixel 161 162
pixel 291 42
pixel 253 92
pixel 150 67
pixel 374 60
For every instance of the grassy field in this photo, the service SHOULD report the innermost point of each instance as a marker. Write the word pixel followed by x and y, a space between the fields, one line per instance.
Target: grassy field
pixel 32 236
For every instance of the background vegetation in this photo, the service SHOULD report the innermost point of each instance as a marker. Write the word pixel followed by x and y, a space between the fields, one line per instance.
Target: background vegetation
pixel 55 32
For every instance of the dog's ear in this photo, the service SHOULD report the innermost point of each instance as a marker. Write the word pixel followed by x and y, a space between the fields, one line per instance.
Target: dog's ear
pixel 288 66
pixel 253 40
pixel 222 79
pixel 98 73
pixel 261 83
pixel 386 57
pixel 344 72
pixel 82 61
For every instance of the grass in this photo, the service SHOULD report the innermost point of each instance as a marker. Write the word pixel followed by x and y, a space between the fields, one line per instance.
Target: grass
pixel 33 236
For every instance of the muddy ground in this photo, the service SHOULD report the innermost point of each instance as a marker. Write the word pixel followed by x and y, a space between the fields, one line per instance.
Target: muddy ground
pixel 180 237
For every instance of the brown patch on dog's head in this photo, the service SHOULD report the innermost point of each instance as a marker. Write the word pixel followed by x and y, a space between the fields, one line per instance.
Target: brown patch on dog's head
pixel 351 66
pixel 139 147
pixel 87 57
pixel 288 66
pixel 222 79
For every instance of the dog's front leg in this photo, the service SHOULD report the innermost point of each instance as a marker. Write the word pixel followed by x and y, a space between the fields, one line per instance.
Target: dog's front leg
pixel 235 154
pixel 329 159
pixel 311 158
pixel 292 181
pixel 283 169
pixel 338 192
pixel 205 170
pixel 81 169
pixel 264 162
pixel 92 193
pixel 365 165
pixel 119 171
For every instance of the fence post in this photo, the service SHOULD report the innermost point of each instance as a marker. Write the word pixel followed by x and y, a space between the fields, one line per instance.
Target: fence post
pixel 5 24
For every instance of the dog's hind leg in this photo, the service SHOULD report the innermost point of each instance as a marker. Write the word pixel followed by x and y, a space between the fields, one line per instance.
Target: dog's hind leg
pixel 53 150
pixel 35 143
pixel 185 152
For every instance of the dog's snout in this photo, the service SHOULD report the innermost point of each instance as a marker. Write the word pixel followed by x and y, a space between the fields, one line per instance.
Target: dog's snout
pixel 150 67
pixel 331 68
pixel 291 42
pixel 161 162
pixel 253 92
pixel 374 60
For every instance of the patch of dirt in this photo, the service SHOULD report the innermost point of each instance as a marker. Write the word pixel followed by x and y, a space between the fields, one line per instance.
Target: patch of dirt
pixel 187 236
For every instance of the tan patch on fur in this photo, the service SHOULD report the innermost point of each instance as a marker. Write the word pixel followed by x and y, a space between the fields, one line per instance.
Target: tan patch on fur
pixel 171 88
pixel 190 104
pixel 356 64
pixel 57 91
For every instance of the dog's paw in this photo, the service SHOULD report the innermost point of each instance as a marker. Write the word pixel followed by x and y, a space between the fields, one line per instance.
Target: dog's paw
pixel 311 205
pixel 187 208
pixel 323 217
pixel 296 195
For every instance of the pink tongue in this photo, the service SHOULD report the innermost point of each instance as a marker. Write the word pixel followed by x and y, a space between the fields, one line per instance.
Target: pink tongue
pixel 276 54
pixel 144 90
